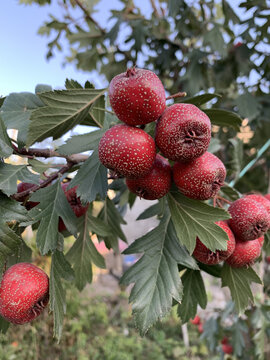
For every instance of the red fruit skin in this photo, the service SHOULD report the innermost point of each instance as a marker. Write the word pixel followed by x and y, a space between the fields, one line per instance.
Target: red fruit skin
pixel 261 200
pixel 267 196
pixel 200 328
pixel 225 340
pixel 261 241
pixel 154 185
pixel 249 219
pixel 206 256
pixel 245 253
pixel 227 348
pixel 24 293
pixel 137 96
pixel 127 150
pixel 196 320
pixel 201 178
pixel 22 186
pixel 267 259
pixel 183 132
pixel 75 203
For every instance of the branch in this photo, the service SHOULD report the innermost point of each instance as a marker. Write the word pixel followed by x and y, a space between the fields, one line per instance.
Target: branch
pixel 154 7
pixel 89 17
pixel 177 95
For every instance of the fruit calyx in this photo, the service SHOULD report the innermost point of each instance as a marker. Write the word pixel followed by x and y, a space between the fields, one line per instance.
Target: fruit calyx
pixel 131 71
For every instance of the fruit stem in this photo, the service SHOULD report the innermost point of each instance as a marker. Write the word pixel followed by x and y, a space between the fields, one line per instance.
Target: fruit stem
pixel 131 71
pixel 223 199
pixel 177 95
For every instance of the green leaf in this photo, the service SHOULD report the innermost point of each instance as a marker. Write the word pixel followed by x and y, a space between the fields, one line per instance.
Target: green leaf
pixel 237 154
pixel 194 218
pixel 40 88
pixel 10 242
pixel 230 192
pixel 156 276
pixel 4 325
pixel 82 254
pixel 200 99
pixel 80 143
pixel 222 117
pixel 238 280
pixel 215 39
pixel 72 84
pixel 91 179
pixel 64 109
pixel 10 174
pixel 40 166
pixel 153 210
pixel 211 332
pixel 214 146
pixel 111 216
pixel 5 143
pixel 52 204
pixel 2 99
pixel 194 295
pixel 97 112
pixel 60 269
pixel 248 106
pixel 16 112
pixel 229 13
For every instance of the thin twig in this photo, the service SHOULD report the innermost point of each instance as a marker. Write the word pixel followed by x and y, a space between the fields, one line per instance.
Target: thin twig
pixel 154 7
pixel 177 95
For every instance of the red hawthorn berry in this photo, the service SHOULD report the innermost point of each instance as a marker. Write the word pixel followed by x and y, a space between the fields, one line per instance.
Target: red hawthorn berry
pixel 24 293
pixel 183 132
pixel 227 348
pixel 267 259
pixel 137 96
pixel 249 219
pixel 245 253
pixel 225 340
pixel 75 203
pixel 261 200
pixel 201 178
pixel 267 196
pixel 200 328
pixel 196 320
pixel 206 256
pixel 127 150
pixel 261 241
pixel 22 186
pixel 154 185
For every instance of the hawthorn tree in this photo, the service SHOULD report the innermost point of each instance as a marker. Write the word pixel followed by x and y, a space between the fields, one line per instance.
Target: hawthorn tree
pixel 197 49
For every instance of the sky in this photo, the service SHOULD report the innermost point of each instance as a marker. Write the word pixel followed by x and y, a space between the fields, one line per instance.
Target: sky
pixel 23 62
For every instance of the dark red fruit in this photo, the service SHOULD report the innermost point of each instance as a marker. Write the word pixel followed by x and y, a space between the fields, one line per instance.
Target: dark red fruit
pixel 225 340
pixel 227 348
pixel 206 256
pixel 154 185
pixel 261 200
pixel 201 178
pixel 267 196
pixel 245 253
pixel 22 186
pixel 183 132
pixel 249 219
pixel 267 259
pixel 127 150
pixel 200 328
pixel 196 320
pixel 75 203
pixel 137 96
pixel 24 293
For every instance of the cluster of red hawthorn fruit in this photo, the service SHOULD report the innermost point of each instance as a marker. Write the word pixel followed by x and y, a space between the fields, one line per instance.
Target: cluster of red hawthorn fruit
pixel 182 135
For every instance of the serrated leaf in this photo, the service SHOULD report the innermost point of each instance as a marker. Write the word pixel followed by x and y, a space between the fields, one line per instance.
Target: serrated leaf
pixel 72 84
pixel 215 39
pixel 52 205
pixel 222 117
pixel 82 254
pixel 97 112
pixel 64 109
pixel 60 269
pixel 200 99
pixel 80 143
pixel 98 226
pixel 10 174
pixel 230 192
pixel 112 217
pixel 194 218
pixel 238 280
pixel 155 275
pixel 194 295
pixel 91 179
pixel 16 112
pixel 153 210
pixel 40 166
pixel 5 143
pixel 238 338
pixel 210 333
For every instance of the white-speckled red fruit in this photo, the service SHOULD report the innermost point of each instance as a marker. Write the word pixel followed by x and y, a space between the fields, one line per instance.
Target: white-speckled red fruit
pixel 137 96
pixel 183 132
pixel 201 178
pixel 154 185
pixel 24 293
pixel 206 256
pixel 261 241
pixel 127 150
pixel 245 253
pixel 261 200
pixel 267 196
pixel 249 219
